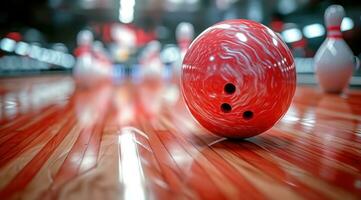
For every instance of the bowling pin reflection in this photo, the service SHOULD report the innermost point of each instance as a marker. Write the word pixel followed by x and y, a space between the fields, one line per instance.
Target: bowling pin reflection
pixel 150 97
pixel 335 129
pixel 92 104
pixel 34 97
pixel 124 105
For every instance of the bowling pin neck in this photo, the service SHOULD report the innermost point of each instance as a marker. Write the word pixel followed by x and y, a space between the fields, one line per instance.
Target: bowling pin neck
pixel 333 17
pixel 334 32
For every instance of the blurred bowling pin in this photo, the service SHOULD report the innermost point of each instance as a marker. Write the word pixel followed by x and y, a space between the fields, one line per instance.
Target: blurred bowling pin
pixel 334 60
pixel 85 69
pixel 125 42
pixel 150 61
pixel 101 59
pixel 84 42
pixel 83 52
pixel 184 35
pixel 171 58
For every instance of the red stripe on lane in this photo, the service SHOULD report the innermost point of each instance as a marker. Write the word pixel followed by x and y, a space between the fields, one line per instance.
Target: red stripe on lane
pixel 42 118
pixel 19 142
pixel 71 164
pixel 21 120
pixel 82 156
pixel 309 161
pixel 25 175
pixel 250 152
pixel 91 155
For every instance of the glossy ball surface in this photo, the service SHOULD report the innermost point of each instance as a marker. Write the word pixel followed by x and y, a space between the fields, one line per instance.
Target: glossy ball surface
pixel 238 78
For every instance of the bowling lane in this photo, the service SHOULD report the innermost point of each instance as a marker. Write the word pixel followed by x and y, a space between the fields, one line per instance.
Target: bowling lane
pixel 137 140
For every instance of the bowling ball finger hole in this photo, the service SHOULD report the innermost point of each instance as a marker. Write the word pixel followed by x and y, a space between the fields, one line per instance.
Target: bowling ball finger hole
pixel 229 88
pixel 247 115
pixel 225 107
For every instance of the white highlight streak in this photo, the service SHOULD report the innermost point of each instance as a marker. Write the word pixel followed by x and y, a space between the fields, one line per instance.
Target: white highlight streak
pixel 130 170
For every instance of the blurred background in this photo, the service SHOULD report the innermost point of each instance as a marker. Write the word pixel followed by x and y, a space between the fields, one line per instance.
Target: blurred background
pixel 48 36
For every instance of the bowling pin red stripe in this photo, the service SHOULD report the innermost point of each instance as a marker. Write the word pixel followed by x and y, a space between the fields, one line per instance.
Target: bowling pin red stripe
pixel 334 32
pixel 333 28
pixel 335 36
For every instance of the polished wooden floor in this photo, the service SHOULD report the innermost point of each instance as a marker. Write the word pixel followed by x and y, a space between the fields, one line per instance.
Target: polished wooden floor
pixel 136 140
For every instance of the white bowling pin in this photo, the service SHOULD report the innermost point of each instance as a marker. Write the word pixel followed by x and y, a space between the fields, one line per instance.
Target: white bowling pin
pixel 152 65
pixel 102 63
pixel 334 60
pixel 85 38
pixel 184 35
pixel 84 67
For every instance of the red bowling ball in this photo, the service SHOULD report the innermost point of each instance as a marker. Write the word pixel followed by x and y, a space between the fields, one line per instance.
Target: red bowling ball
pixel 238 78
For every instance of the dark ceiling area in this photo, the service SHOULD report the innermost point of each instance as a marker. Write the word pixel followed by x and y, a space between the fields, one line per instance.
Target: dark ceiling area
pixel 60 20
